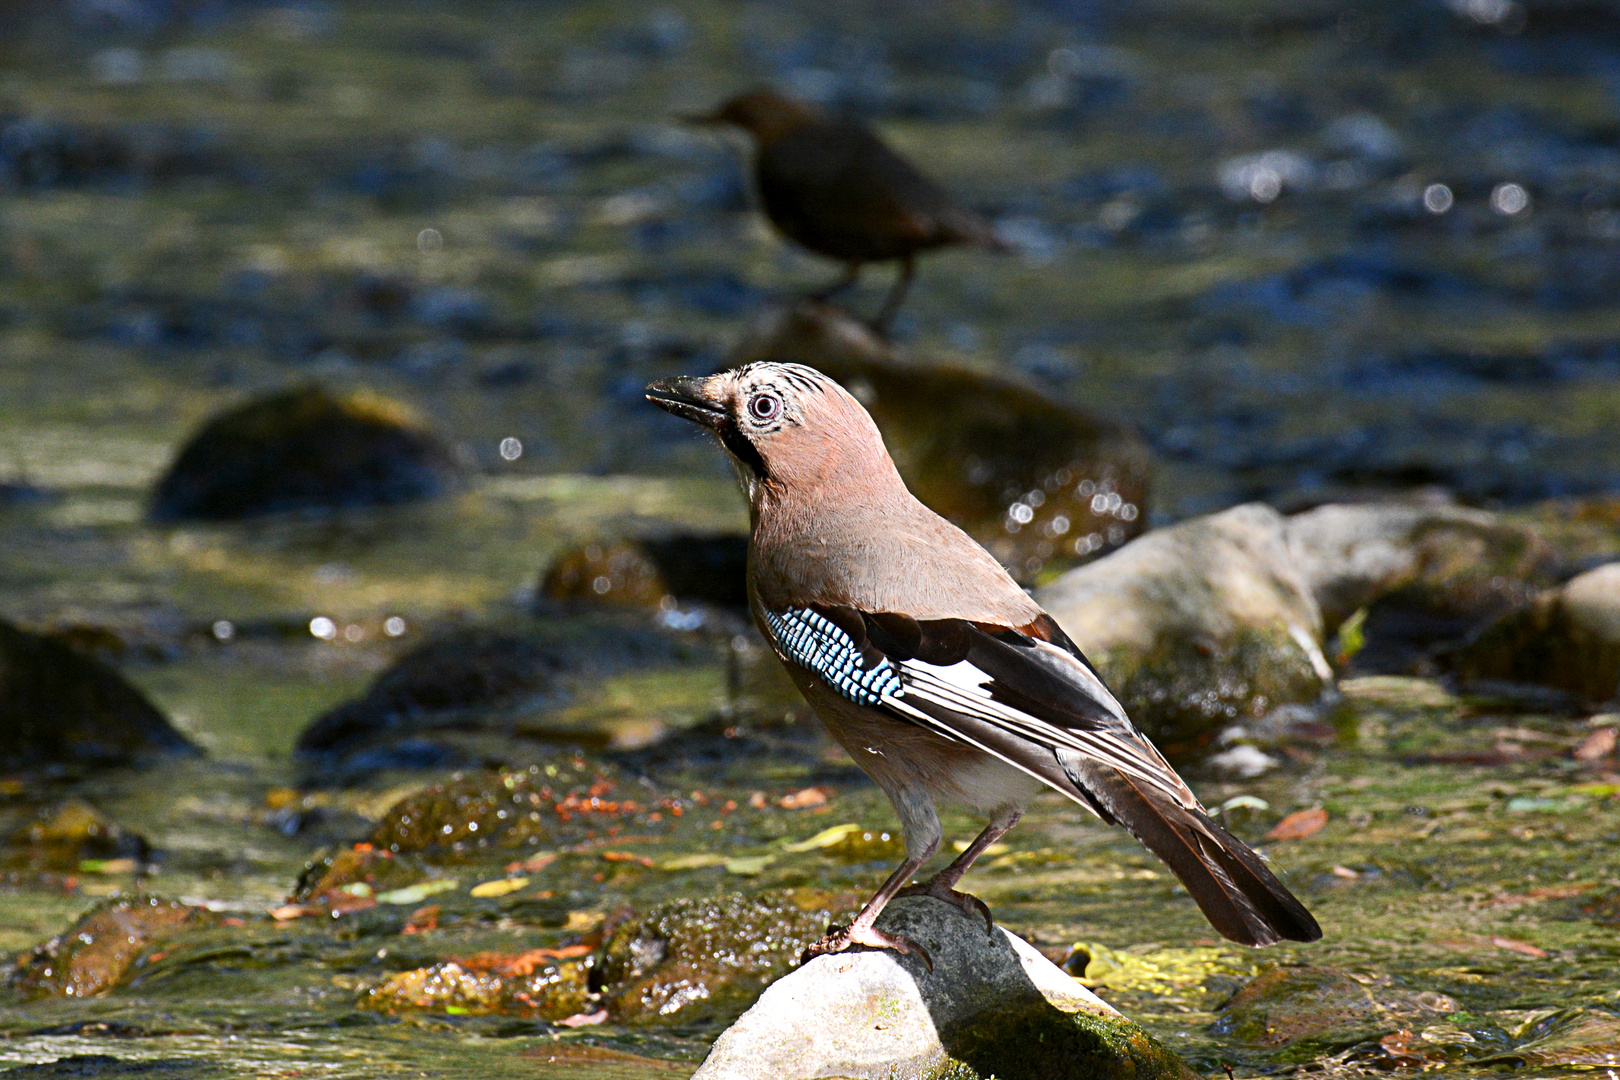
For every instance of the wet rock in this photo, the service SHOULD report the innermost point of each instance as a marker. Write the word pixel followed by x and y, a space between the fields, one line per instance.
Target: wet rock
pixel 1319 1007
pixel 304 450
pixel 486 695
pixel 534 984
pixel 1572 1038
pixel 693 960
pixel 1039 483
pixel 93 956
pixel 992 1006
pixel 1567 638
pixel 59 706
pixel 444 683
pixel 63 836
pixel 88 1066
pixel 1198 625
pixel 706 569
pixel 1426 575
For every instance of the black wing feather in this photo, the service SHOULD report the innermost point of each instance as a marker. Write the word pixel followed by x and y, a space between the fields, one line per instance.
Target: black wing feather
pixel 1034 701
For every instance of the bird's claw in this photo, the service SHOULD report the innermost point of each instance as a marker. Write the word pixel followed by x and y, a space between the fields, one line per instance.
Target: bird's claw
pixel 840 938
pixel 969 903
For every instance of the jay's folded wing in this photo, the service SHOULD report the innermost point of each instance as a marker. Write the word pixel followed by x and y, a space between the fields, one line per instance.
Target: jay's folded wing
pixel 1028 697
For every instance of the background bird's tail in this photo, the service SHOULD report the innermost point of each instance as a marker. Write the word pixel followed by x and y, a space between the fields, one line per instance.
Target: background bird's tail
pixel 1235 890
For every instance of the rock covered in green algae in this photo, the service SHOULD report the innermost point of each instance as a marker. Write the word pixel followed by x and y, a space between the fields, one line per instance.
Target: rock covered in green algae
pixel 991 1007
pixel 1571 1038
pixel 61 836
pixel 540 987
pixel 1040 483
pixel 304 450
pixel 1567 638
pixel 1199 625
pixel 96 952
pixel 61 706
pixel 706 959
pixel 1300 1012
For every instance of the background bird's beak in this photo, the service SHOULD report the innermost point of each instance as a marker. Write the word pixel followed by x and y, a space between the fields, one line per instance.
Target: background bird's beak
pixel 687 397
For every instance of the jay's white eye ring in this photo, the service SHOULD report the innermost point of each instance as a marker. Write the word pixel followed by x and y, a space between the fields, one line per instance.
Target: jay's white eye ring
pixel 763 407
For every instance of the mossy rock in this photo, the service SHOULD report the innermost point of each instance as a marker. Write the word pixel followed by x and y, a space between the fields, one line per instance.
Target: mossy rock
pixel 484 985
pixel 59 706
pixel 94 955
pixel 60 837
pixel 304 450
pixel 1040 483
pixel 505 810
pixel 1309 1007
pixel 701 960
pixel 990 1006
pixel 649 572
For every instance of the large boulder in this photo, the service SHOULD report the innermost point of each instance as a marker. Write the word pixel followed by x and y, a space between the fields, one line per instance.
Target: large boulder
pixel 1566 638
pixel 1199 625
pixel 1040 483
pixel 991 1007
pixel 304 450
pixel 59 706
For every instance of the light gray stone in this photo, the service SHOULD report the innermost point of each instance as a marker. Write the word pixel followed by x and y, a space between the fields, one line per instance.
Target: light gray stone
pixel 1567 638
pixel 1200 625
pixel 991 1006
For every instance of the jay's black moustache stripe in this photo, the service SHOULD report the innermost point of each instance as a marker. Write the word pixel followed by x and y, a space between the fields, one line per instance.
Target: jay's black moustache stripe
pixel 738 446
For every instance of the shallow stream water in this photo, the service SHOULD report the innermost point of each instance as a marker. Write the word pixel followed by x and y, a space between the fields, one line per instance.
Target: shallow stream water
pixel 1231 238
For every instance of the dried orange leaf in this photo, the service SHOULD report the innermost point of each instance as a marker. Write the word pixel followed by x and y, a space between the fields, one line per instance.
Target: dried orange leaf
pixel 1299 825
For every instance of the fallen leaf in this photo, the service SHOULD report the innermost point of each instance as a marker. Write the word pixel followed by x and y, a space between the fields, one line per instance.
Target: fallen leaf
pixel 498 888
pixel 1299 825
pixel 415 894
pixel 692 862
pixel 803 800
pixel 422 920
pixel 1345 872
pixel 626 856
pixel 1523 948
pixel 1549 892
pixel 288 911
pixel 107 866
pixel 824 838
pixel 584 1019
pixel 508 965
pixel 1599 744
pixel 581 921
pixel 749 865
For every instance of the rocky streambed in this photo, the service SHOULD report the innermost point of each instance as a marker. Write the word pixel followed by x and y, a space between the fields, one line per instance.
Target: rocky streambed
pixel 375 696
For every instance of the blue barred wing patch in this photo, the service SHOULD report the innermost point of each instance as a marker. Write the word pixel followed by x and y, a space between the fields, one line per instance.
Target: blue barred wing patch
pixel 813 642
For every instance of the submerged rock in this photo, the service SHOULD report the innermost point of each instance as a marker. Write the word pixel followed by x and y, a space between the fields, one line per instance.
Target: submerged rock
pixel 1567 638
pixel 537 984
pixel 62 836
pixel 59 706
pixel 462 698
pixel 1199 625
pixel 1038 482
pixel 304 450
pixel 645 573
pixel 1288 1005
pixel 992 1006
pixel 1571 1038
pixel 96 952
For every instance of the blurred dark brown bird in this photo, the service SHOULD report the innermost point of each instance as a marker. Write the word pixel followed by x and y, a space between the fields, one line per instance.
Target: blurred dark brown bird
pixel 833 187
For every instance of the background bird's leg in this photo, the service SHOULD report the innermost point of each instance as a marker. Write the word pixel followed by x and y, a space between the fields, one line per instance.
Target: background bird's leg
pixel 897 295
pixel 922 840
pixel 942 886
pixel 852 272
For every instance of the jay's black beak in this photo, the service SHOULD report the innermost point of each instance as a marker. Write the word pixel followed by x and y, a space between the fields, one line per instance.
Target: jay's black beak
pixel 686 396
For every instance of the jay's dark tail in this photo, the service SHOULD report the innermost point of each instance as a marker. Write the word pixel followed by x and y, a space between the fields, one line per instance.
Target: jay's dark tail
pixel 1232 886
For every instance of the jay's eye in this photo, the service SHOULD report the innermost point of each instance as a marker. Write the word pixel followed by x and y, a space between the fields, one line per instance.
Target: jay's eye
pixel 764 407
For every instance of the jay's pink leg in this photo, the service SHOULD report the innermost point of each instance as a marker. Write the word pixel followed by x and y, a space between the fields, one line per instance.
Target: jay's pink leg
pixel 923 834
pixel 942 886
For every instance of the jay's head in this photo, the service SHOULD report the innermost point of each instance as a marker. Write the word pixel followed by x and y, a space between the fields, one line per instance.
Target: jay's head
pixel 786 426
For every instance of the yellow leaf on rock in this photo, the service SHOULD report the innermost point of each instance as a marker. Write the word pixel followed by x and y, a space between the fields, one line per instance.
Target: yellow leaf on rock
pixel 692 862
pixel 415 894
pixel 822 839
pixel 498 888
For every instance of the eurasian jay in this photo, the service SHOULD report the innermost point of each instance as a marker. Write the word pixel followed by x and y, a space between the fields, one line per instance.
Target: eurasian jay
pixel 940 676
pixel 834 188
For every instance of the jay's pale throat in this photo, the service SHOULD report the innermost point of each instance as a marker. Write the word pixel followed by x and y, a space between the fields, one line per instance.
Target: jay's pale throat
pixel 940 676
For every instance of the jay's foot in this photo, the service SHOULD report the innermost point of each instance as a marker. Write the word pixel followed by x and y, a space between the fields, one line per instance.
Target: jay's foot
pixel 940 891
pixel 840 938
